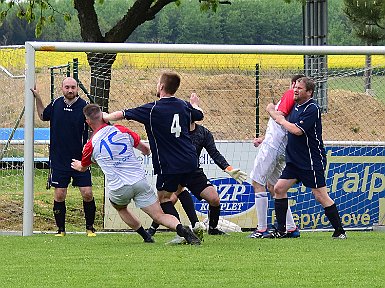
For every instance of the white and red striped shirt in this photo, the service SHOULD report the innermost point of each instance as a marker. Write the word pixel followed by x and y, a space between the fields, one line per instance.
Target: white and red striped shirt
pixel 112 148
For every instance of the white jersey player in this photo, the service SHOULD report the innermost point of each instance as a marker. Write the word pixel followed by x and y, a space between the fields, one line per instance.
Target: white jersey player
pixel 112 148
pixel 269 163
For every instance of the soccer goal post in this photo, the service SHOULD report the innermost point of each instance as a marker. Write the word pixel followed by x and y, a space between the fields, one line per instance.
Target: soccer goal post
pixel 234 95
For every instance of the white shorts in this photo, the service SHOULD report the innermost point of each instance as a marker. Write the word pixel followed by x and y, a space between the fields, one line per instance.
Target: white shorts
pixel 268 165
pixel 141 192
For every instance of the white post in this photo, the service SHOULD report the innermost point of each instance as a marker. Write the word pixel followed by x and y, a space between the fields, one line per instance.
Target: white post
pixel 28 140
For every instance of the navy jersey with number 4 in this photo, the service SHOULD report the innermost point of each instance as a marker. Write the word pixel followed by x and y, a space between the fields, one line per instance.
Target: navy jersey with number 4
pixel 68 132
pixel 307 151
pixel 167 122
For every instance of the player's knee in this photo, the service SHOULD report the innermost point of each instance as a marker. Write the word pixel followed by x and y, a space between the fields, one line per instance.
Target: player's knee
pixel 213 200
pixel 279 190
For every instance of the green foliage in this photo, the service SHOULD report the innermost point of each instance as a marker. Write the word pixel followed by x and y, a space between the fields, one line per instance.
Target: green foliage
pixel 368 19
pixel 242 22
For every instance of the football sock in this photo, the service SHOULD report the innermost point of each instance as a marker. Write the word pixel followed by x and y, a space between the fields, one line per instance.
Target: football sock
pixel 180 230
pixel 89 213
pixel 332 213
pixel 168 208
pixel 143 233
pixel 59 211
pixel 261 204
pixel 281 206
pixel 290 224
pixel 214 212
pixel 154 225
pixel 188 206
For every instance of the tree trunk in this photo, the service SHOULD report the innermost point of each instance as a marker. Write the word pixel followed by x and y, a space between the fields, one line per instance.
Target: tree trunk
pixel 101 69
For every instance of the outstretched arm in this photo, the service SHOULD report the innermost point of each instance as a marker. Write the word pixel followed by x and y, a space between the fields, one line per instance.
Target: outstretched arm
pixel 220 160
pixel 114 116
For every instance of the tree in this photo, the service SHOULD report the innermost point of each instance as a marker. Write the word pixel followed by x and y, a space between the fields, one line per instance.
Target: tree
pixel 138 12
pixel 368 19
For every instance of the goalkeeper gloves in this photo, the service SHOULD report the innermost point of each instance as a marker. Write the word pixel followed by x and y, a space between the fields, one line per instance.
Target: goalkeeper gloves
pixel 237 174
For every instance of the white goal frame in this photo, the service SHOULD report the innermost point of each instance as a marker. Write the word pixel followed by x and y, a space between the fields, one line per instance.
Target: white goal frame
pixel 32 47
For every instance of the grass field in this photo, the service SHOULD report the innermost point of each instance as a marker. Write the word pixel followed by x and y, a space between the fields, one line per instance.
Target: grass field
pixel 122 260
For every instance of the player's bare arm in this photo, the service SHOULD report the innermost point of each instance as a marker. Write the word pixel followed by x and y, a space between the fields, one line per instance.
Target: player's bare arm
pixel 77 165
pixel 272 112
pixel 39 102
pixel 114 116
pixel 144 148
pixel 290 127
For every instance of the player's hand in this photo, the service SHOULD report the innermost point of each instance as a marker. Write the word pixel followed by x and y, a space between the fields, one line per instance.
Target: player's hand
pixel 258 141
pixel 76 164
pixel 194 101
pixel 270 107
pixel 237 174
pixel 35 92
pixel 280 119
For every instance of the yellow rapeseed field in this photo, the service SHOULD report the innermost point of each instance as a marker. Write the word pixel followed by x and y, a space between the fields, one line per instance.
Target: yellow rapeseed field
pixel 16 58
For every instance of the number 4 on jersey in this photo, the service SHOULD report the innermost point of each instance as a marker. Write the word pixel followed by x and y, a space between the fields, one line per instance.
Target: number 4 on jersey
pixel 175 127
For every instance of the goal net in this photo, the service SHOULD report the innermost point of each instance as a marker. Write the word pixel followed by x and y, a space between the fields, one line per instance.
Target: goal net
pixel 235 84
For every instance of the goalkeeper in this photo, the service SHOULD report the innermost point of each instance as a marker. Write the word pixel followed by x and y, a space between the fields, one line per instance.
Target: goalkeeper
pixel 203 138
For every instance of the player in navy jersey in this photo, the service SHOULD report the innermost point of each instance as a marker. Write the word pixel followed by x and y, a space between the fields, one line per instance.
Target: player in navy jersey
pixel 112 147
pixel 68 134
pixel 305 158
pixel 167 123
pixel 203 138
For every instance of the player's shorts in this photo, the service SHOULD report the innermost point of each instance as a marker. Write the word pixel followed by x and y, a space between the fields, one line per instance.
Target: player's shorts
pixel 141 192
pixel 61 179
pixel 268 165
pixel 309 178
pixel 196 181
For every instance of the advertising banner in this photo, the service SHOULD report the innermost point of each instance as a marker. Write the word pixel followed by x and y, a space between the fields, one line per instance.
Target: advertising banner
pixel 355 180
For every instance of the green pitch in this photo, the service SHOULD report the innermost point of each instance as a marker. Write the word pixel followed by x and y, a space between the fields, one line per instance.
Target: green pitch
pixel 122 260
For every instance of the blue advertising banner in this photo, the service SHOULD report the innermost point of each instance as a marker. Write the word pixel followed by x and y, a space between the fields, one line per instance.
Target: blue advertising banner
pixel 355 180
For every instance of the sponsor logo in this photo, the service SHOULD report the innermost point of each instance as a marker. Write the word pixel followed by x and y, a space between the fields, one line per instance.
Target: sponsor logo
pixel 235 198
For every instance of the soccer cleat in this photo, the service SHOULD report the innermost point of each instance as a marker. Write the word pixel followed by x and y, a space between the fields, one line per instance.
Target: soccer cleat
pixel 178 240
pixel 91 232
pixel 60 233
pixel 190 237
pixel 151 231
pixel 216 231
pixel 258 234
pixel 149 240
pixel 199 229
pixel 275 234
pixel 339 234
pixel 293 233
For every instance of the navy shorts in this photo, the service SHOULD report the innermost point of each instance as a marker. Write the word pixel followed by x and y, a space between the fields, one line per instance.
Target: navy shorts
pixel 309 178
pixel 195 181
pixel 61 179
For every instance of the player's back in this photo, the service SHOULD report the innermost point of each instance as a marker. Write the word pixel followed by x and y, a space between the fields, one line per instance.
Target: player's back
pixel 169 138
pixel 114 153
